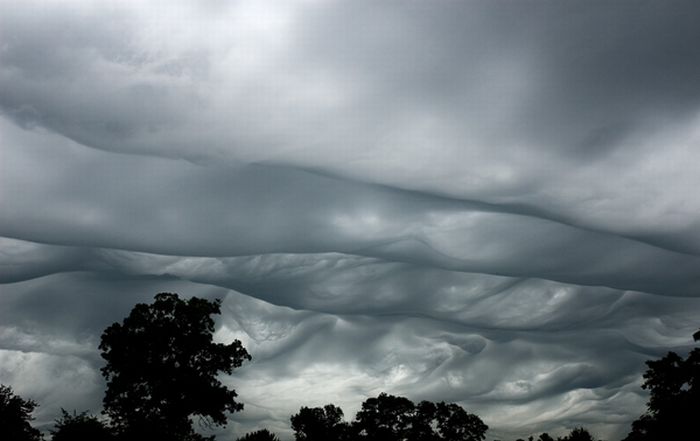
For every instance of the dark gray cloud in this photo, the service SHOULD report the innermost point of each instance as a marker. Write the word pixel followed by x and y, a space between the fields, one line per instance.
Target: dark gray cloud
pixel 492 203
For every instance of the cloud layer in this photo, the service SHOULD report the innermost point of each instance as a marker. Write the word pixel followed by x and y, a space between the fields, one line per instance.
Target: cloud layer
pixel 482 202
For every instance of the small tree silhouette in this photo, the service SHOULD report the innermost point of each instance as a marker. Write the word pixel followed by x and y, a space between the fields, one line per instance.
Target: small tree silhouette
pixel 319 424
pixel 80 427
pixel 162 367
pixel 579 434
pixel 15 417
pixel 259 435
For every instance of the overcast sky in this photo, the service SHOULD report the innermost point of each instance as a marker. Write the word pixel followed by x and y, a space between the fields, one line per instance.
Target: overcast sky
pixel 492 203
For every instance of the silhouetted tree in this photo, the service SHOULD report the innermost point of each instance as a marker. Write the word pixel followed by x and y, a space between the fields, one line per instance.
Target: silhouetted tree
pixel 15 417
pixel 80 427
pixel 390 418
pixel 455 424
pixel 423 422
pixel 162 367
pixel 578 434
pixel 385 418
pixel 545 437
pixel 259 435
pixel 320 424
pixel 672 410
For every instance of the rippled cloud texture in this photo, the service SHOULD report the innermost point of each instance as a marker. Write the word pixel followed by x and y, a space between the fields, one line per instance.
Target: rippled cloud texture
pixel 491 203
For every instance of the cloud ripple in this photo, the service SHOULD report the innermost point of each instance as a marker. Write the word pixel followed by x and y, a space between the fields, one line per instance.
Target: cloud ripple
pixel 487 203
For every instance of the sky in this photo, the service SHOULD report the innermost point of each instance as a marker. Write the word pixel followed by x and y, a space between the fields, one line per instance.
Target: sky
pixel 491 203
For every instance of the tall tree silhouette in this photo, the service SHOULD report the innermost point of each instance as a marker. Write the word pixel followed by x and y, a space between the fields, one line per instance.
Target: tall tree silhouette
pixel 15 417
pixel 672 410
pixel 162 367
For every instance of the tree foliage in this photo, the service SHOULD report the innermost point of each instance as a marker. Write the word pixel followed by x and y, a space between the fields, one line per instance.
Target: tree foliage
pixel 423 423
pixel 390 418
pixel 454 423
pixel 578 434
pixel 319 424
pixel 162 368
pixel 15 417
pixel 80 427
pixel 260 435
pixel 385 418
pixel 672 409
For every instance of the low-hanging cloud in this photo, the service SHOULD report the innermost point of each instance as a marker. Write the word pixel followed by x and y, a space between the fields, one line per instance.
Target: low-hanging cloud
pixel 483 202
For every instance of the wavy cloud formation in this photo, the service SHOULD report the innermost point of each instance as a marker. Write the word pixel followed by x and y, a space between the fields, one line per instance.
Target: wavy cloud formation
pixel 483 202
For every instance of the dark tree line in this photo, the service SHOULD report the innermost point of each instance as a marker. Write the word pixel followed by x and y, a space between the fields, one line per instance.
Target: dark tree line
pixel 389 418
pixel 577 434
pixel 162 369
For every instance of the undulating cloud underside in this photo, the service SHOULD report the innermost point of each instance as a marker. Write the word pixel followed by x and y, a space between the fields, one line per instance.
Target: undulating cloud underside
pixel 491 203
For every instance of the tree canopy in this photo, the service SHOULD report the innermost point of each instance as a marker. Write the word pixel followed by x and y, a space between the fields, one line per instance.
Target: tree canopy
pixel 80 427
pixel 672 409
pixel 385 418
pixel 390 418
pixel 162 368
pixel 455 424
pixel 15 417
pixel 319 423
pixel 578 434
pixel 259 435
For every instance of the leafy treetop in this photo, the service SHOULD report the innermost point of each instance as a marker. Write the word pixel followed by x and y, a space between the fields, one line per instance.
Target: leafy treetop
pixel 15 417
pixel 259 435
pixel 390 418
pixel 674 386
pixel 162 368
pixel 80 427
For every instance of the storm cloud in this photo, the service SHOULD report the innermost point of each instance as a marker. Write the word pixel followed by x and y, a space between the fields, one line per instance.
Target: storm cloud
pixel 491 203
